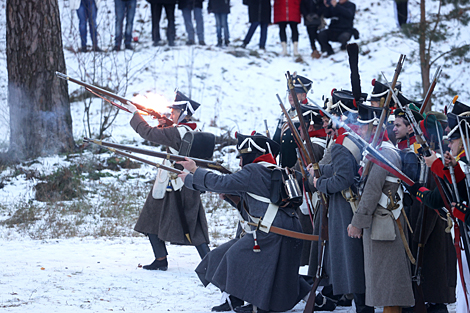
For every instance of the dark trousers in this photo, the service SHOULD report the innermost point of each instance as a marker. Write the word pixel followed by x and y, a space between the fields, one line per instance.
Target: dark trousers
pixel 402 11
pixel 330 35
pixel 159 247
pixel 156 15
pixel 312 31
pixel 87 13
pixel 360 302
pixel 124 9
pixel 263 34
pixel 221 23
pixel 293 28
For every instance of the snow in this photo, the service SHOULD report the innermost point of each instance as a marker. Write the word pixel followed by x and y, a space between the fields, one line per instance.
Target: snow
pixel 42 272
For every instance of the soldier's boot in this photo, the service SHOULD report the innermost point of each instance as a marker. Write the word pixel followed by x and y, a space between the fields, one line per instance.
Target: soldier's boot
pixel 159 250
pixel 203 249
pixel 360 302
pixel 229 304
pixel 284 48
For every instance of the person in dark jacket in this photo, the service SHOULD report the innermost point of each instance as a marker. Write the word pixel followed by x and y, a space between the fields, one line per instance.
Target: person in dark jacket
pixel 187 7
pixel 312 11
pixel 156 9
pixel 341 27
pixel 261 268
pixel 221 10
pixel 259 14
pixel 171 212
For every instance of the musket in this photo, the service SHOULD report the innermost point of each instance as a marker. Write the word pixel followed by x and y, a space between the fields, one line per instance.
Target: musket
pixel 372 153
pixel 173 157
pixel 303 128
pixel 427 98
pixel 447 207
pixel 295 133
pixel 101 92
pixel 383 117
pixel 267 129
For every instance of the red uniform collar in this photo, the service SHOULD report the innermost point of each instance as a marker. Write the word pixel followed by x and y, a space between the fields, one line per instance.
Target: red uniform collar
pixel 193 126
pixel 265 158
pixel 405 143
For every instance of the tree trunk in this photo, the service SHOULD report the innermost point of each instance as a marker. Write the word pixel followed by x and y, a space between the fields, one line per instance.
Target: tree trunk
pixel 424 56
pixel 40 118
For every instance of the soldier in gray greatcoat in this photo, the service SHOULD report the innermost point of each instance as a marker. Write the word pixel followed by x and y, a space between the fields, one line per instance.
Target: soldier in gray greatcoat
pixel 387 266
pixel 260 268
pixel 172 212
pixel 344 257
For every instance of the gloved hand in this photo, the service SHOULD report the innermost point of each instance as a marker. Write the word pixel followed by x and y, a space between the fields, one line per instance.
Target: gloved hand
pixel 131 107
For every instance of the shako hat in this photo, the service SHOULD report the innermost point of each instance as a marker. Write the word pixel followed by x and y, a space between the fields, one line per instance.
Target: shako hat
pixel 342 101
pixel 459 107
pixel 186 105
pixel 415 110
pixel 380 90
pixel 256 144
pixel 297 81
pixel 453 120
pixel 368 114
pixel 311 114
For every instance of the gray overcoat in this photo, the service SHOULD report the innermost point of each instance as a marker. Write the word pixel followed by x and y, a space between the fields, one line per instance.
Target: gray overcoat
pixel 344 263
pixel 268 279
pixel 160 216
pixel 388 273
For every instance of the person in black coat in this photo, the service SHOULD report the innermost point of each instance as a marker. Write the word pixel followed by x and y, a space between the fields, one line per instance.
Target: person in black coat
pixel 186 7
pixel 312 11
pixel 156 9
pixel 259 14
pixel 221 10
pixel 341 27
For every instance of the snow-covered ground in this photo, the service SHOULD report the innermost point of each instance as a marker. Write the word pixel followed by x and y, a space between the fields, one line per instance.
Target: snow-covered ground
pixel 237 89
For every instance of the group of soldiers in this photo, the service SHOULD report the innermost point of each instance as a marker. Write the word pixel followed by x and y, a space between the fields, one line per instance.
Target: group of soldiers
pixel 383 217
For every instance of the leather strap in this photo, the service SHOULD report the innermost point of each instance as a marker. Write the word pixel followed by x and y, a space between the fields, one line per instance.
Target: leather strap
pixel 287 233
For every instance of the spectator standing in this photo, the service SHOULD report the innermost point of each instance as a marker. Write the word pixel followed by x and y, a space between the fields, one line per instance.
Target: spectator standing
pixel 287 12
pixel 124 8
pixel 156 7
pixel 341 26
pixel 188 6
pixel 87 11
pixel 401 7
pixel 259 14
pixel 221 10
pixel 312 11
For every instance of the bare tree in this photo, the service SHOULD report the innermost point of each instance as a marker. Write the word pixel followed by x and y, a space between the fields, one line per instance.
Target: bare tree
pixel 437 35
pixel 40 118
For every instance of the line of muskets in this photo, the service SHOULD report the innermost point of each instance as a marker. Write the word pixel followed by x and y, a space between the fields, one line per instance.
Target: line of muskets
pixel 113 147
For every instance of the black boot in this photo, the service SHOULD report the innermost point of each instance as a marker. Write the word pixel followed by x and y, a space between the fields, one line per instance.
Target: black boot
pixel 203 249
pixel 360 302
pixel 161 265
pixel 225 307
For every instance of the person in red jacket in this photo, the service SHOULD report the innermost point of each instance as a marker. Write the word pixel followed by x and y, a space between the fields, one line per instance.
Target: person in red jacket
pixel 287 12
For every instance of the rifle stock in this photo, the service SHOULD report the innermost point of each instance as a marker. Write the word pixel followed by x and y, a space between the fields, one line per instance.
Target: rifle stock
pixel 99 91
pixel 427 98
pixel 173 157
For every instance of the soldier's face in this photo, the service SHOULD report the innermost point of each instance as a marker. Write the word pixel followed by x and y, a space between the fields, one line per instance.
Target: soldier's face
pixel 300 96
pixel 374 104
pixel 400 129
pixel 455 146
pixel 175 114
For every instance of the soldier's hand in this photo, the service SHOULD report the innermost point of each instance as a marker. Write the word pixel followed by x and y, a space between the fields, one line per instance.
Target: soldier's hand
pixel 449 159
pixel 183 175
pixel 430 160
pixel 354 232
pixel 132 108
pixel 188 164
